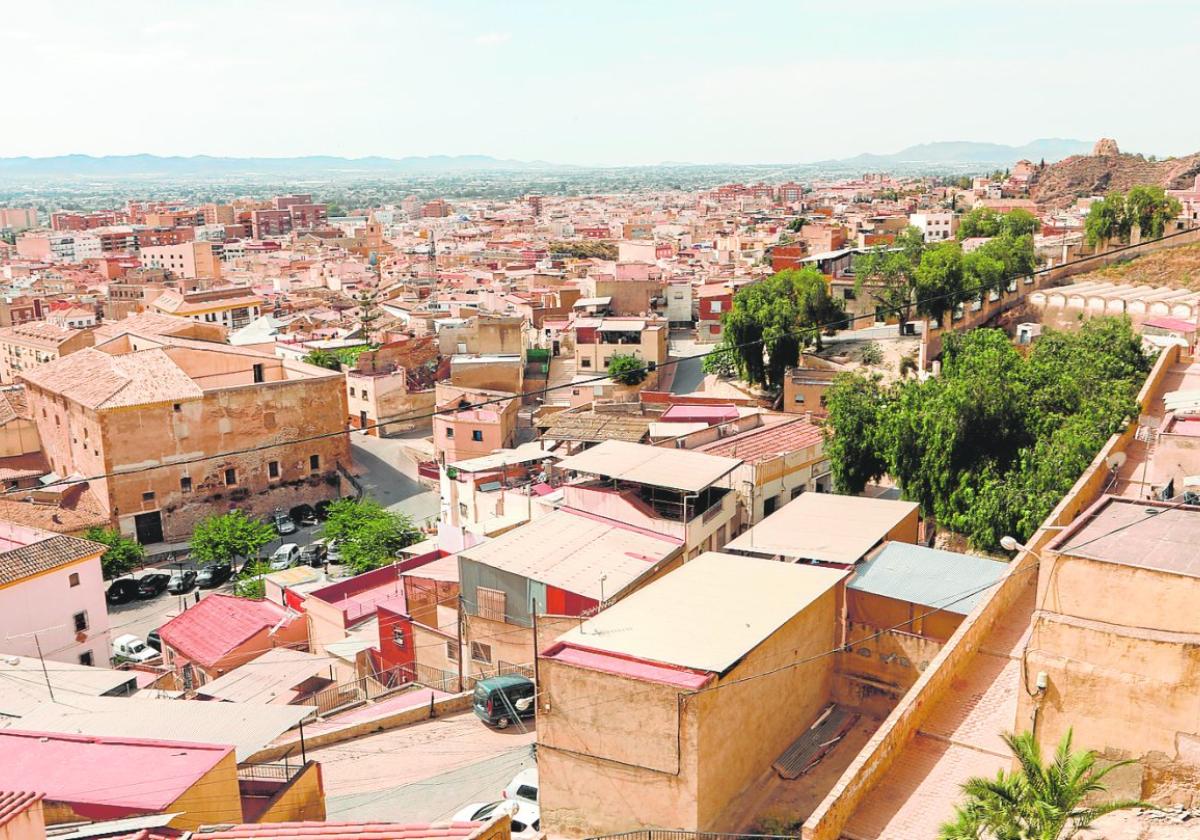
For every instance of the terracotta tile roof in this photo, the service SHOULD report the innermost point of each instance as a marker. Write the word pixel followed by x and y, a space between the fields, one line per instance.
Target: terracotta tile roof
pixel 41 334
pixel 102 380
pixel 14 803
pixel 75 513
pixel 766 442
pixel 144 323
pixel 592 427
pixel 217 625
pixel 42 556
pixel 341 830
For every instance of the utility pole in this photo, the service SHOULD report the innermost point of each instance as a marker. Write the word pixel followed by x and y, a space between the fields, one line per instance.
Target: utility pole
pixel 45 673
pixel 458 626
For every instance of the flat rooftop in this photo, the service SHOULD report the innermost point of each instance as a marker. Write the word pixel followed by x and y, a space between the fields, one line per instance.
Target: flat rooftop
pixel 1148 535
pixel 676 469
pixel 708 613
pixel 575 552
pixel 824 527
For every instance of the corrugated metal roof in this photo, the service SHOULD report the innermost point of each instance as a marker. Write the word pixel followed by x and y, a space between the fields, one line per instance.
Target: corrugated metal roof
pixel 708 613
pixel 267 678
pixel 824 527
pixel 928 576
pixel 677 469
pixel 249 727
pixel 23 683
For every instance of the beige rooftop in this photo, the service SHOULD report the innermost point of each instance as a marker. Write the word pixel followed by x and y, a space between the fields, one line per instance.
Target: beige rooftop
pixel 678 469
pixel 824 527
pixel 707 614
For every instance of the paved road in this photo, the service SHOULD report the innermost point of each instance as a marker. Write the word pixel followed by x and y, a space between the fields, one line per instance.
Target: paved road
pixel 387 475
pixel 423 772
pixel 689 373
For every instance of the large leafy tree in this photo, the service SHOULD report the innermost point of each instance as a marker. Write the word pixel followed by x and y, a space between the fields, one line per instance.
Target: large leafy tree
pixel 888 273
pixel 984 221
pixel 122 555
pixel 627 369
pixel 939 279
pixel 1148 207
pixel 323 358
pixel 369 534
pixel 1041 800
pixel 989 446
pixel 229 537
pixel 770 322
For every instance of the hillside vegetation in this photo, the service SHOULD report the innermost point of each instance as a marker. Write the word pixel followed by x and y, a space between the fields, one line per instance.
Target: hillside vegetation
pixel 1059 184
pixel 1175 267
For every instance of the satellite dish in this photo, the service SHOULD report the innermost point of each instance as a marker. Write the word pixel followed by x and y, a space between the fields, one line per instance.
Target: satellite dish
pixel 1115 461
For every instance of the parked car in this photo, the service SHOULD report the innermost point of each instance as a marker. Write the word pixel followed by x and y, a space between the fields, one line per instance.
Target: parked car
pixel 182 581
pixel 122 591
pixel 132 649
pixel 214 575
pixel 500 700
pixel 154 640
pixel 333 552
pixel 304 514
pixel 524 786
pixel 284 524
pixel 153 584
pixel 526 817
pixel 314 554
pixel 285 557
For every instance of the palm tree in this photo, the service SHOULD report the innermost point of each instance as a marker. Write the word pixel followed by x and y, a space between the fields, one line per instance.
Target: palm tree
pixel 1039 801
pixel 323 358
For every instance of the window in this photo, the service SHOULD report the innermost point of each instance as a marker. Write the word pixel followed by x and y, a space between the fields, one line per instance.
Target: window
pixel 352 392
pixel 848 294
pixel 73 579
pixel 148 496
pixel 587 363
pixel 314 462
pixel 716 307
pixel 769 506
pixel 273 469
pixel 258 373
pixel 398 635
pixel 86 658
pixel 477 435
pixel 185 484
pixel 177 407
pixel 798 491
pixel 799 399
pixel 81 622
pixel 230 476
pixel 491 603
pixel 452 651
pixel 481 653
pixel 449 431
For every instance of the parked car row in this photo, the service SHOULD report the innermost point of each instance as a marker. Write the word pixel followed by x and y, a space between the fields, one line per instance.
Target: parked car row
pixel 150 585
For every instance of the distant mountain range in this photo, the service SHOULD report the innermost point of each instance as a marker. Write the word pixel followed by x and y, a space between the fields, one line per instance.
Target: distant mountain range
pixel 955 155
pixel 964 152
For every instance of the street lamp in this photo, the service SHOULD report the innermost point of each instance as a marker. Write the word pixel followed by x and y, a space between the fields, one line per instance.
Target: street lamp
pixel 1009 543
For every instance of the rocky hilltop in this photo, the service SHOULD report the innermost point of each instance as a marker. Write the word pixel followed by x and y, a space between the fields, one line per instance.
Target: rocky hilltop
pixel 1106 169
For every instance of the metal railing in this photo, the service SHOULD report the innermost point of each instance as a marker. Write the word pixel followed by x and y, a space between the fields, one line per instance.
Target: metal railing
pixel 360 690
pixel 269 772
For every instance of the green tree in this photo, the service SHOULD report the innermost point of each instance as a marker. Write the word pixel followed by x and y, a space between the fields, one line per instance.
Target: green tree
pixel 854 402
pixel 1106 221
pixel 984 221
pixel 989 447
pixel 722 361
pixel 1040 800
pixel 122 556
pixel 323 358
pixel 771 321
pixel 889 274
pixel 1150 209
pixel 795 224
pixel 229 537
pixel 627 369
pixel 938 280
pixel 250 582
pixel 370 535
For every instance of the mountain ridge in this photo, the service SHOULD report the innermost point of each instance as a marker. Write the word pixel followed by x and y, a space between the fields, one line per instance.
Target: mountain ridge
pixel 953 153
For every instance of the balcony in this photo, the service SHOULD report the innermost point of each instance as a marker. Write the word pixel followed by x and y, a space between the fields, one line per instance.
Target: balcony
pixel 263 786
pixel 664 511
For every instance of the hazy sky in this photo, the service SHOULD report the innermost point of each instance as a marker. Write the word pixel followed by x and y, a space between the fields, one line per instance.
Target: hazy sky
pixel 606 83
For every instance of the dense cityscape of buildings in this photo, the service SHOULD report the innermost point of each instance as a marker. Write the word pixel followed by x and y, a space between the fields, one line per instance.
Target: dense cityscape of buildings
pixel 708 638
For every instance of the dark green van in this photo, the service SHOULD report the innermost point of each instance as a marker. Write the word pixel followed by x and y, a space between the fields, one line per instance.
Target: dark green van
pixel 501 700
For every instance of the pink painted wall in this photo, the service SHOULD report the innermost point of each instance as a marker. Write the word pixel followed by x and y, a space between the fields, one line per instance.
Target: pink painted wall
pixel 47 603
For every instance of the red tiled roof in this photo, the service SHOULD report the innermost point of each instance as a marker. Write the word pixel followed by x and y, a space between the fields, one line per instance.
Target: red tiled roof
pixel 766 442
pixel 14 803
pixel 343 830
pixel 209 630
